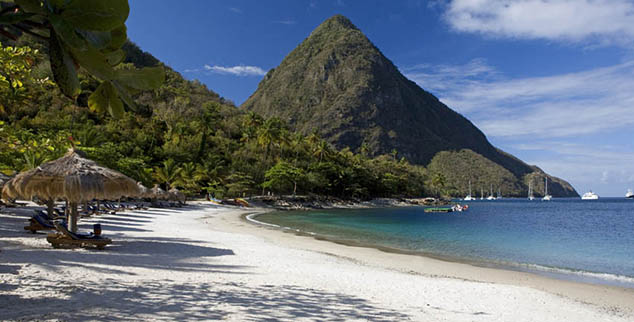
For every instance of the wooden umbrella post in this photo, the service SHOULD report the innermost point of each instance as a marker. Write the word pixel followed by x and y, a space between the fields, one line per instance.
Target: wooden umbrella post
pixel 50 207
pixel 72 217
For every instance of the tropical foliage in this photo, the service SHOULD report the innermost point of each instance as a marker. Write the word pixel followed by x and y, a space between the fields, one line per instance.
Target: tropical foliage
pixel 79 34
pixel 183 135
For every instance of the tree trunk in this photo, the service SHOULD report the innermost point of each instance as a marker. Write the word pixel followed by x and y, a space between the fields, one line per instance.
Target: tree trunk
pixel 294 188
pixel 72 217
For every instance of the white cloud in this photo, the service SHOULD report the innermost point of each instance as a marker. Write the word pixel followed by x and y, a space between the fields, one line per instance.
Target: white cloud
pixel 562 123
pixel 285 22
pixel 236 10
pixel 600 21
pixel 606 169
pixel 235 70
pixel 564 105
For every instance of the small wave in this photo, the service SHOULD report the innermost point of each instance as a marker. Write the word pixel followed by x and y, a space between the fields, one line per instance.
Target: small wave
pixel 252 219
pixel 573 272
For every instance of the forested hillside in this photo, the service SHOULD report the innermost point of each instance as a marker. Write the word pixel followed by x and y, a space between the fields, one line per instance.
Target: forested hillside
pixel 182 135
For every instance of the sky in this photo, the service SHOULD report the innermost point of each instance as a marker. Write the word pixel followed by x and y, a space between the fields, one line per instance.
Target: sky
pixel 549 81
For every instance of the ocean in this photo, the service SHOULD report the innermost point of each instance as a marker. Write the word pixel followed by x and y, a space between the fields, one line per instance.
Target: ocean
pixel 582 240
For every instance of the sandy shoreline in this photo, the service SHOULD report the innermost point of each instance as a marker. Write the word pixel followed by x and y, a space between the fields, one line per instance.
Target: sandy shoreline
pixel 207 263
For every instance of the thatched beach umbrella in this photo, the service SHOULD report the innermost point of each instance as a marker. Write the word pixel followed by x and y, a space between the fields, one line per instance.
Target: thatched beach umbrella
pixel 8 190
pixel 157 193
pixel 76 179
pixel 175 194
pixel 143 190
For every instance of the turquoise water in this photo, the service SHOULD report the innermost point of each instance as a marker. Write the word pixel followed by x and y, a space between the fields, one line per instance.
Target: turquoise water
pixel 590 241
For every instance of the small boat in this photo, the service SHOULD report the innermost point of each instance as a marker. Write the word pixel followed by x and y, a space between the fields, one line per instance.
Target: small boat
pixel 546 197
pixel 454 208
pixel 439 209
pixel 629 194
pixel 590 196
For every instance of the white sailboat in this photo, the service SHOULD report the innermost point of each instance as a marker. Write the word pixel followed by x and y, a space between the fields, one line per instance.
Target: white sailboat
pixel 481 193
pixel 530 190
pixel 468 197
pixel 547 197
pixel 490 197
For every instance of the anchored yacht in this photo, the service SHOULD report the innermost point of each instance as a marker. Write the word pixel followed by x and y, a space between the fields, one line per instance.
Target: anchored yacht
pixel 590 196
pixel 546 197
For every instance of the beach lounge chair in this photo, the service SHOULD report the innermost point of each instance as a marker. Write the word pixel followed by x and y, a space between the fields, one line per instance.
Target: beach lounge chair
pixel 65 237
pixel 39 222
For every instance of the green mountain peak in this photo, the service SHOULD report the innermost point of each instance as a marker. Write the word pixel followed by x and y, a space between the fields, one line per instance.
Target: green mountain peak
pixel 336 82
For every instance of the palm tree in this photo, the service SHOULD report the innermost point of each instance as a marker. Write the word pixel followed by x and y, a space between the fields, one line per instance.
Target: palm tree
pixel 90 137
pixel 252 120
pixel 269 133
pixel 187 177
pixel 321 150
pixel 168 173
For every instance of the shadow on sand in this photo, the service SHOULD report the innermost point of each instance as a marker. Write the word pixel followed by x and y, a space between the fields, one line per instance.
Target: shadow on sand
pixel 113 300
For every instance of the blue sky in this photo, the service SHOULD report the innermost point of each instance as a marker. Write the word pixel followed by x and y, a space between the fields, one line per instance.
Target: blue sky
pixel 551 82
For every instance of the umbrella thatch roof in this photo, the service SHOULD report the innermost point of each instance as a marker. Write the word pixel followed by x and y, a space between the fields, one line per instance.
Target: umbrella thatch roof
pixel 74 178
pixel 158 193
pixel 143 190
pixel 175 194
pixel 8 190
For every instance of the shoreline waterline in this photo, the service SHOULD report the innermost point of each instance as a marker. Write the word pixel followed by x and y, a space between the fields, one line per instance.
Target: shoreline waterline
pixel 544 271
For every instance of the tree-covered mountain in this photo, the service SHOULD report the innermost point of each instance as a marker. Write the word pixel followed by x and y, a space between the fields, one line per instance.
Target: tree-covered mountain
pixel 337 84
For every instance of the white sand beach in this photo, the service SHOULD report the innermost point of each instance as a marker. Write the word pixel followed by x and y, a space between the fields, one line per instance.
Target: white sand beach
pixel 205 262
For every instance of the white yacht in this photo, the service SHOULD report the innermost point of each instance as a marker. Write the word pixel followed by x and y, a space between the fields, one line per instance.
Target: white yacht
pixel 530 191
pixel 468 197
pixel 590 196
pixel 629 194
pixel 546 197
pixel 491 197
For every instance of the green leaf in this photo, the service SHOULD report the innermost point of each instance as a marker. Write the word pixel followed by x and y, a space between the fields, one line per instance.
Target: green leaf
pixel 97 39
pixel 94 62
pixel 118 35
pixel 63 67
pixel 124 94
pixel 67 32
pixel 31 6
pixel 143 79
pixel 105 98
pixel 115 57
pixel 102 15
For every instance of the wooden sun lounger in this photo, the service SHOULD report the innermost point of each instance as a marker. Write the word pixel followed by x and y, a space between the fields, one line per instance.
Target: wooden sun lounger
pixel 64 237
pixel 39 222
